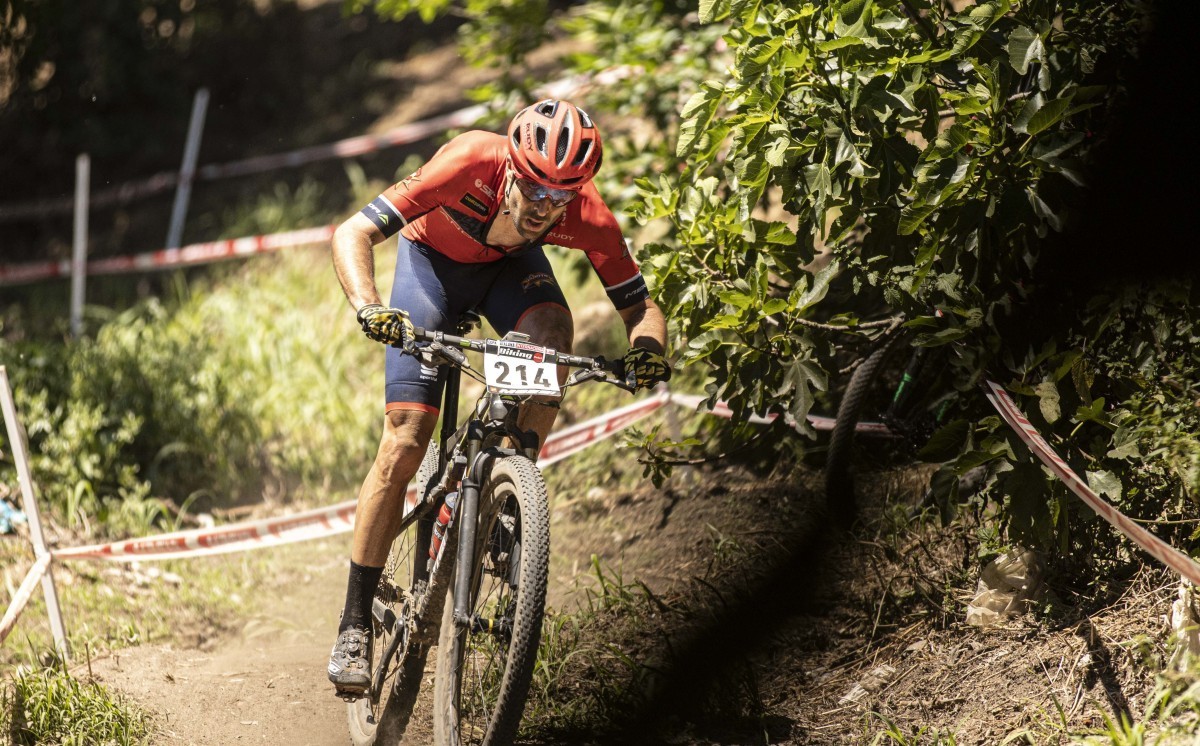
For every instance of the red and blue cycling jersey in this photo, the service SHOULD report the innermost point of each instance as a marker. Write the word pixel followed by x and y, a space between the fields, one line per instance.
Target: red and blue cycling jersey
pixel 450 203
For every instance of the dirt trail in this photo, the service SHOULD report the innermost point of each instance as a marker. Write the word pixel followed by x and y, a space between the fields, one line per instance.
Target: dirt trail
pixel 265 685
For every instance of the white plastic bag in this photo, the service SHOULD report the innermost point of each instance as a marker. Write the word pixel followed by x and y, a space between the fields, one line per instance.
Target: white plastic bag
pixel 1007 586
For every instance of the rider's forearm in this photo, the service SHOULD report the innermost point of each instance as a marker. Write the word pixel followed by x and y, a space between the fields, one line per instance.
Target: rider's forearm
pixel 646 326
pixel 354 260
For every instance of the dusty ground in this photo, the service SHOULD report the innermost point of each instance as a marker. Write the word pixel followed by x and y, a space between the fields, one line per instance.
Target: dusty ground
pixel 880 611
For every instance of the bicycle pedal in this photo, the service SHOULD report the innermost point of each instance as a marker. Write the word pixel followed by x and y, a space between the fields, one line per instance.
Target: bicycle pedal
pixel 349 696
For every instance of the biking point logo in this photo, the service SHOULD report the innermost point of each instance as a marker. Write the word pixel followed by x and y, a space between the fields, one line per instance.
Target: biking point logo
pixel 521 350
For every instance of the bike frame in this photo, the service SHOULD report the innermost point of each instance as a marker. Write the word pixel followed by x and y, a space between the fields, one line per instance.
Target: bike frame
pixel 465 455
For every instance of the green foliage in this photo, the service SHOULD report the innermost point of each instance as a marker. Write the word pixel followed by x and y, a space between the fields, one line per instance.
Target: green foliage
pixel 49 705
pixel 258 385
pixel 1117 394
pixel 142 402
pixel 928 151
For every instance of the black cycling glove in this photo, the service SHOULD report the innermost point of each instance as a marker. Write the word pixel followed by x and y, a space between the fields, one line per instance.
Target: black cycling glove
pixel 644 368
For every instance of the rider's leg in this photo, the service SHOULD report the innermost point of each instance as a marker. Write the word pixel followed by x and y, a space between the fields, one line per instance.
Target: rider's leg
pixel 406 434
pixel 549 325
pixel 413 392
pixel 526 297
pixel 377 521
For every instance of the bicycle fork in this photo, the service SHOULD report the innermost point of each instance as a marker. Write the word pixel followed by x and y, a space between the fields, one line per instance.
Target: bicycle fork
pixel 467 529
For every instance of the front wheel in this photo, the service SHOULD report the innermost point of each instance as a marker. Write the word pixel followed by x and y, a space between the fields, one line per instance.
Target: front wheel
pixel 484 667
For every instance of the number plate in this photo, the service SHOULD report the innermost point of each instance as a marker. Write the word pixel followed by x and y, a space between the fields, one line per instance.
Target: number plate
pixel 520 368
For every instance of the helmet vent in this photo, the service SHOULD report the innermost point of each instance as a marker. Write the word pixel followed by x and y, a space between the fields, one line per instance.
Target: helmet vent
pixel 585 119
pixel 564 141
pixel 547 108
pixel 539 136
pixel 583 154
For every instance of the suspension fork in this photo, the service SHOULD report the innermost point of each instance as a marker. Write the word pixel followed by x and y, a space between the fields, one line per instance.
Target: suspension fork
pixel 467 527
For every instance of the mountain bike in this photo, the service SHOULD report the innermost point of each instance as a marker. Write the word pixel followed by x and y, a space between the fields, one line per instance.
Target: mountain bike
pixel 468 570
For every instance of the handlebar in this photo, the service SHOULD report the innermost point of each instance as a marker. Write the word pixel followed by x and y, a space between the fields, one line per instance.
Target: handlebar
pixel 450 346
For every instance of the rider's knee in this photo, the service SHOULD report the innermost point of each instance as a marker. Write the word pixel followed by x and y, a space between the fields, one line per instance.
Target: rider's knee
pixel 549 325
pixel 406 432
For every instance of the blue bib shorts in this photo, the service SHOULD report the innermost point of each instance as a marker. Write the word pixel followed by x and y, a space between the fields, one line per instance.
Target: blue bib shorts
pixel 436 291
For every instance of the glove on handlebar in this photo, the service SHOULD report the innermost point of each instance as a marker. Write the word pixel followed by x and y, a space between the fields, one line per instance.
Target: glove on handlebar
pixel 646 368
pixel 388 325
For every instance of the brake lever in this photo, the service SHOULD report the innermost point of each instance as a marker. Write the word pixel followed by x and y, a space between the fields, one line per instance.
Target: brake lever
pixel 429 355
pixel 453 353
pixel 610 369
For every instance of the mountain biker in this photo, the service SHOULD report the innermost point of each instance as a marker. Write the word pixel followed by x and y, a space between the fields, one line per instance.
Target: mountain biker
pixel 471 225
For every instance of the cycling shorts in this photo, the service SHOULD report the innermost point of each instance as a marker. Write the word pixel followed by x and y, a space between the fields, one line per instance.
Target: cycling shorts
pixel 436 291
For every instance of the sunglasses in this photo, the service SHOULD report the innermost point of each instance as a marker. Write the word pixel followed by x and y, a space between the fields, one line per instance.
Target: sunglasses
pixel 535 192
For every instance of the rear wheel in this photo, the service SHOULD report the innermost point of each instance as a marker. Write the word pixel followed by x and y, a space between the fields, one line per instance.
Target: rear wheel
pixel 381 717
pixel 841 501
pixel 484 667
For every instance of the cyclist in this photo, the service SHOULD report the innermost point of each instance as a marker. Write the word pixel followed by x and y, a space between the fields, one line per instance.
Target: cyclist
pixel 471 225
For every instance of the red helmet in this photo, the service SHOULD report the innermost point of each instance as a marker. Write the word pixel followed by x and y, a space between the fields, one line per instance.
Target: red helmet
pixel 556 144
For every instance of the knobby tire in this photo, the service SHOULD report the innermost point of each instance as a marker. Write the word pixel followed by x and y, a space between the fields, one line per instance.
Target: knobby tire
pixel 483 677
pixel 841 500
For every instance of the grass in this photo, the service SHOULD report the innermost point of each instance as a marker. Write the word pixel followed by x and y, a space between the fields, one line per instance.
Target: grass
pixel 580 678
pixel 892 734
pixel 603 662
pixel 1171 716
pixel 47 705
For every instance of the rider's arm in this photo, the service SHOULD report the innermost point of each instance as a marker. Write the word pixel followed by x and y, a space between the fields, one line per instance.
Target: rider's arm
pixel 354 259
pixel 646 326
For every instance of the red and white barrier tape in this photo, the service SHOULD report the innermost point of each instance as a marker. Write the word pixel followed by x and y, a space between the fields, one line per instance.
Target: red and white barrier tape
pixel 359 145
pixel 334 519
pixel 1156 547
pixel 819 422
pixel 571 440
pixel 237 537
pixel 21 598
pixel 200 253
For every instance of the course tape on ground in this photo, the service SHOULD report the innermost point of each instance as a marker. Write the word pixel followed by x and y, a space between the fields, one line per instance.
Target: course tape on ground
pixel 1156 547
pixel 352 146
pixel 200 253
pixel 819 422
pixel 334 519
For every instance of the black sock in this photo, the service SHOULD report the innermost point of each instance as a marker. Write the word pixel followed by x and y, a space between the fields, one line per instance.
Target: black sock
pixel 360 589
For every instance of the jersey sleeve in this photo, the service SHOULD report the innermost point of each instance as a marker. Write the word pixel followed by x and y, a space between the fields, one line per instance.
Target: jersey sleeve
pixel 623 281
pixel 609 254
pixel 430 186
